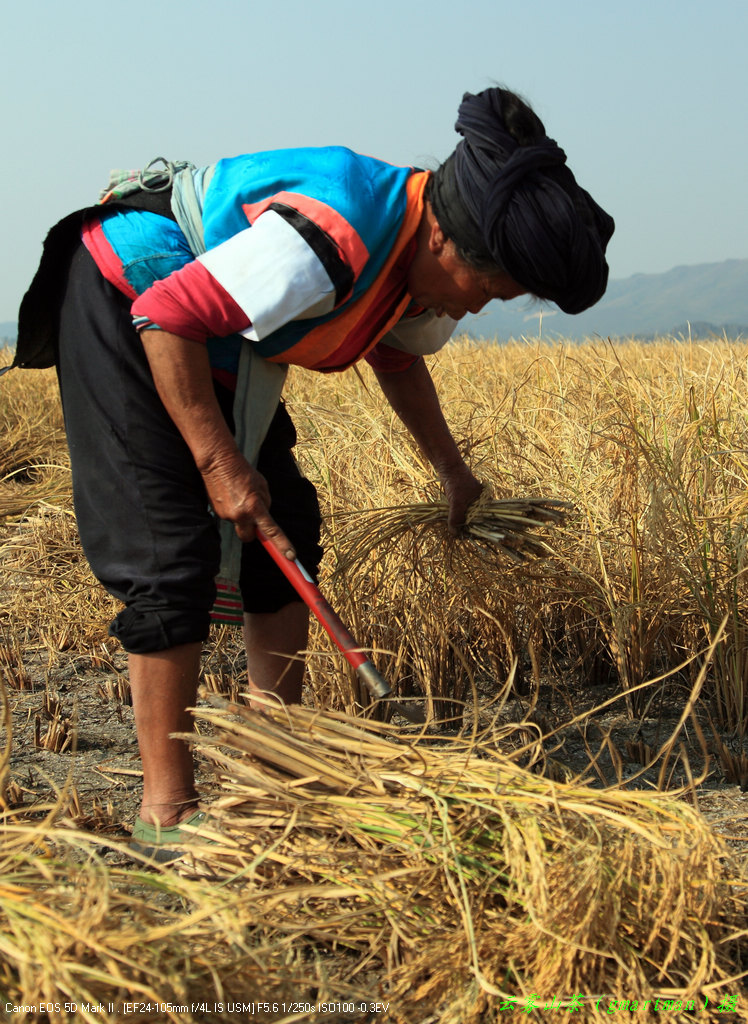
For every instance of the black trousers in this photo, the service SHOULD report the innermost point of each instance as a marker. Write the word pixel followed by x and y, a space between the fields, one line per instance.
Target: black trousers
pixel 140 502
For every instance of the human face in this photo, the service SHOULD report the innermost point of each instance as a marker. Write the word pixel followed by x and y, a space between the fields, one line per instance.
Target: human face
pixel 439 279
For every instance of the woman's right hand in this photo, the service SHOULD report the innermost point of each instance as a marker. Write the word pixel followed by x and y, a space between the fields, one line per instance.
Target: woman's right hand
pixel 240 494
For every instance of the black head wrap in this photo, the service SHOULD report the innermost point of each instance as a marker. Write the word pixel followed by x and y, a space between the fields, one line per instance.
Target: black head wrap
pixel 518 206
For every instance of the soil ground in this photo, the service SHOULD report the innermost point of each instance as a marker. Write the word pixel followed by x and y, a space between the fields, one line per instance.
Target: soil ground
pixel 82 711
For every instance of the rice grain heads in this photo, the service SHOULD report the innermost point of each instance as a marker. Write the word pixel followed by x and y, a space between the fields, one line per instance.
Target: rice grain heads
pixel 460 879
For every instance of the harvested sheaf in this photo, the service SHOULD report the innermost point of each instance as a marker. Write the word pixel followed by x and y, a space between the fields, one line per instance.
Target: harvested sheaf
pixel 99 942
pixel 51 594
pixel 463 880
pixel 353 865
pixel 33 457
pixel 82 939
pixel 507 525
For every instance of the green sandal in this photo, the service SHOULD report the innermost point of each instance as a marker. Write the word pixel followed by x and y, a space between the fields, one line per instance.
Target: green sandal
pixel 165 843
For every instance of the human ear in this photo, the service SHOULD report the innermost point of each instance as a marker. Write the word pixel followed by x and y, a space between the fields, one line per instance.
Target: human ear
pixel 437 239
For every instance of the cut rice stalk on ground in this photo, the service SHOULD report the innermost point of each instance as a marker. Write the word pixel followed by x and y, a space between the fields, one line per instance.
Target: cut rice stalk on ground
pixel 462 878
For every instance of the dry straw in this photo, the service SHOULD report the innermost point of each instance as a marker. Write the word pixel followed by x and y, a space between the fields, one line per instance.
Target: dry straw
pixel 507 525
pixel 92 934
pixel 354 863
pixel 462 880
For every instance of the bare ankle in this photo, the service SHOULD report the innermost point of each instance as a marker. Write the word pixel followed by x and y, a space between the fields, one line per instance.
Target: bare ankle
pixel 168 814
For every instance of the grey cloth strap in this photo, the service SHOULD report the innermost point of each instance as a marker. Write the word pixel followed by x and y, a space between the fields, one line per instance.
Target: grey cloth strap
pixel 258 391
pixel 189 185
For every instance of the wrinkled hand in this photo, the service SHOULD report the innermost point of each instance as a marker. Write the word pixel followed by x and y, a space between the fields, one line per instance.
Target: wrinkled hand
pixel 461 489
pixel 241 495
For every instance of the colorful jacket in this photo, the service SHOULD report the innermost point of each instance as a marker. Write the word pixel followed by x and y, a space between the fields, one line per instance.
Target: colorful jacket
pixel 307 256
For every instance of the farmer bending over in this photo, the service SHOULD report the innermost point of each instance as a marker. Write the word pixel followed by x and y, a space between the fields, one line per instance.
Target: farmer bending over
pixel 171 310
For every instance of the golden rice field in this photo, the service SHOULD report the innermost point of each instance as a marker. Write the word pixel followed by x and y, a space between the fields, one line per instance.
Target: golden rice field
pixel 529 853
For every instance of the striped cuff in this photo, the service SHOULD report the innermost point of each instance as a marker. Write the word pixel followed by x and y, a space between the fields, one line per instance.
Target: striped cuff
pixel 228 609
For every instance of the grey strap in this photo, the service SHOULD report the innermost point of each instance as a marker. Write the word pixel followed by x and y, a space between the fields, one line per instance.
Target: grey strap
pixel 187 195
pixel 258 391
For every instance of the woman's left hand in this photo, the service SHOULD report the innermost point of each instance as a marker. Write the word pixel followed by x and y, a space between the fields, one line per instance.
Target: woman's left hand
pixel 461 489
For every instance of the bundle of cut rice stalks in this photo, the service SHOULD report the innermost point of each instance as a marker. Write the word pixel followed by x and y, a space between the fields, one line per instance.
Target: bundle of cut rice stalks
pixel 81 940
pixel 506 525
pixel 84 939
pixel 464 885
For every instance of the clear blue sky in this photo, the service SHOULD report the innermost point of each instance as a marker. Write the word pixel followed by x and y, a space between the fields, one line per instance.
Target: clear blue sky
pixel 647 97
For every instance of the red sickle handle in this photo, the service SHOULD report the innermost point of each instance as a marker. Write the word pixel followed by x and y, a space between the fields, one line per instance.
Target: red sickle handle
pixel 310 593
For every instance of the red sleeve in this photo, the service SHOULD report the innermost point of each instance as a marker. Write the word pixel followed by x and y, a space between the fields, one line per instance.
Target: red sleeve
pixel 386 359
pixel 189 303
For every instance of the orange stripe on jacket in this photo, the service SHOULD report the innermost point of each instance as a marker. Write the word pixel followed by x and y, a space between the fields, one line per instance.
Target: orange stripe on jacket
pixel 345 236
pixel 373 313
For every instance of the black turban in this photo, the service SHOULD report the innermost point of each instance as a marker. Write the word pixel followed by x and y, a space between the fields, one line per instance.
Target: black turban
pixel 519 207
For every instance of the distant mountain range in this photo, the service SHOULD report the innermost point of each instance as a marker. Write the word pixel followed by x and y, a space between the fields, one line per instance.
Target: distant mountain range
pixel 711 298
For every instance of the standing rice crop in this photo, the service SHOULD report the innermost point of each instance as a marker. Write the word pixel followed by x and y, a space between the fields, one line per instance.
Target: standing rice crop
pixel 646 442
